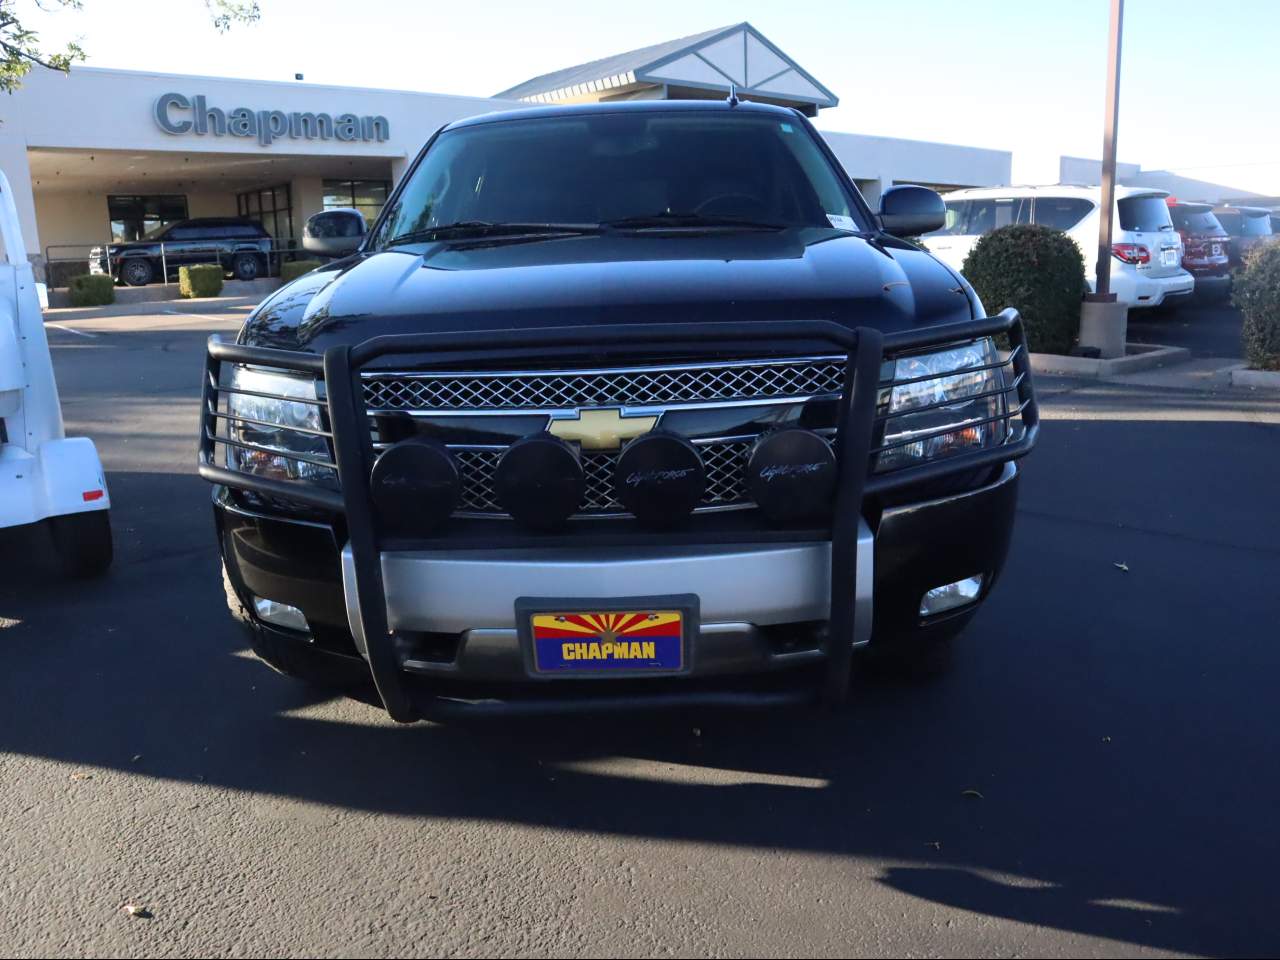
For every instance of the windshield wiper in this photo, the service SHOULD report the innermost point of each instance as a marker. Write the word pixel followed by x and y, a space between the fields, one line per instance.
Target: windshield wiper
pixel 695 220
pixel 469 229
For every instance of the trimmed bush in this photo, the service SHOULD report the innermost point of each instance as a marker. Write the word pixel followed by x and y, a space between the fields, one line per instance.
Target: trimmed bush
pixel 1037 271
pixel 92 290
pixel 1255 292
pixel 295 269
pixel 200 280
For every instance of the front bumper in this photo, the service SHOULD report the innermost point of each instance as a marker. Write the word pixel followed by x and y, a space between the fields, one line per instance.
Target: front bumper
pixel 763 607
pixel 436 624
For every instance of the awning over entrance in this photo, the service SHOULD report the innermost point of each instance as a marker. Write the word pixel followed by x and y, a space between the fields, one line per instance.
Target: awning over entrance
pixel 706 64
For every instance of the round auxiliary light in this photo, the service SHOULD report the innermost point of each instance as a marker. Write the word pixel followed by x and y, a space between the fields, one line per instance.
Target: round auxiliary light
pixel 539 481
pixel 415 484
pixel 660 478
pixel 791 474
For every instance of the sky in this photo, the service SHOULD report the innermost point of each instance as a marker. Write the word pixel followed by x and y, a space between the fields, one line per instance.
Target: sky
pixel 1199 81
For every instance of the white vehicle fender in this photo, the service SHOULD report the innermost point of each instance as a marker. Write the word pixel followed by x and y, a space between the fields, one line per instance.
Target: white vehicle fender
pixel 74 481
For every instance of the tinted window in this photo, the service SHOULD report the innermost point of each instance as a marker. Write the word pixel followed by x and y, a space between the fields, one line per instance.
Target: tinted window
pixel 1061 213
pixel 1196 221
pixel 1148 213
pixel 972 218
pixel 599 168
pixel 1230 222
pixel 1255 226
pixel 182 233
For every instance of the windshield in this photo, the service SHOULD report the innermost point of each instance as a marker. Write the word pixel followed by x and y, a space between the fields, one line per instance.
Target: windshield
pixel 1145 213
pixel 605 168
pixel 1196 221
pixel 155 232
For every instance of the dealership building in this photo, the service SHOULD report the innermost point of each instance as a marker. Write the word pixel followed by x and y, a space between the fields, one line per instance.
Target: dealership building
pixel 99 155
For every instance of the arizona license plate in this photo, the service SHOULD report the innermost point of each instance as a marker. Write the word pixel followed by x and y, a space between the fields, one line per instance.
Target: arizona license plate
pixel 608 641
pixel 1169 257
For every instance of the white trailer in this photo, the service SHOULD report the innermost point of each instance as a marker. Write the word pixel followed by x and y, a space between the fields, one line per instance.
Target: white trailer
pixel 46 477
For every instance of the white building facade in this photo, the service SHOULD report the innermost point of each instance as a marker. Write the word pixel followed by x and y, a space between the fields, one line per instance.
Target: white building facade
pixel 100 155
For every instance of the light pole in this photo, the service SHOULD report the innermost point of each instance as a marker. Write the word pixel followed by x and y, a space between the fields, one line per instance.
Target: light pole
pixel 1104 322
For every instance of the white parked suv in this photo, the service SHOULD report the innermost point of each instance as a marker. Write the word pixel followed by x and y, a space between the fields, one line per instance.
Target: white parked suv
pixel 1146 251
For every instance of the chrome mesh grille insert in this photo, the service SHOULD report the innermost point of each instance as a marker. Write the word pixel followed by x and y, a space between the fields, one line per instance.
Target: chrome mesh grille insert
pixel 725 463
pixel 731 380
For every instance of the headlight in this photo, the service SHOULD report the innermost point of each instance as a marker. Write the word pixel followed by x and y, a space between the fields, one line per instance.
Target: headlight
pixel 951 396
pixel 266 413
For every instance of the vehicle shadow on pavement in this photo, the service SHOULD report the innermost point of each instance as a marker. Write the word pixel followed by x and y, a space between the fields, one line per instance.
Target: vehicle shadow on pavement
pixel 1055 777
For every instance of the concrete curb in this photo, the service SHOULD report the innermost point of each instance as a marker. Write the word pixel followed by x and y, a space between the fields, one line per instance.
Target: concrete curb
pixel 1140 356
pixel 158 292
pixel 1256 379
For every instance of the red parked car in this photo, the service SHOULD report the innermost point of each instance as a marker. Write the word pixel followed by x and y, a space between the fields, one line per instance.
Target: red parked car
pixel 1206 250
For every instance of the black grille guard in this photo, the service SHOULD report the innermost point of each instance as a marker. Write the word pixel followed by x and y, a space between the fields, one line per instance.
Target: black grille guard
pixel 860 422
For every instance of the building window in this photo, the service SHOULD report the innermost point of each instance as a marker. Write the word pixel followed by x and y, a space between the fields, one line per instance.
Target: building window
pixel 272 207
pixel 133 217
pixel 367 196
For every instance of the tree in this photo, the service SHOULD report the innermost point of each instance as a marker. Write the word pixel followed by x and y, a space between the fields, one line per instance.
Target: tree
pixel 20 45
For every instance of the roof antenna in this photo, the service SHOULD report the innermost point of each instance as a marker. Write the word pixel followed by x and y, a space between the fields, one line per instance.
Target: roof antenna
pixel 733 100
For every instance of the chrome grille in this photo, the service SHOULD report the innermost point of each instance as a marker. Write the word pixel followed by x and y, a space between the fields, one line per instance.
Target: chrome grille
pixel 634 386
pixel 725 462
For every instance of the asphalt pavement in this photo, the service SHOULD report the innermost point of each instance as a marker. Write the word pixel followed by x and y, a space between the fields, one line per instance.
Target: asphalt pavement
pixel 1206 323
pixel 1096 775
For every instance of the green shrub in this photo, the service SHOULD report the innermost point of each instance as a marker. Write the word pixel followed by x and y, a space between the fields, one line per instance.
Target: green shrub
pixel 1037 271
pixel 92 290
pixel 200 280
pixel 1255 292
pixel 292 271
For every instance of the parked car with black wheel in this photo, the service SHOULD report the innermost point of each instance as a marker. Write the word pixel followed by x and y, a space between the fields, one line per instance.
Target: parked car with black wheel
pixel 1248 227
pixel 242 247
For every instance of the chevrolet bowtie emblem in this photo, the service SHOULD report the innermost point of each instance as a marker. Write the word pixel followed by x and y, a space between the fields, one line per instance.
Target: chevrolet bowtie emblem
pixel 603 429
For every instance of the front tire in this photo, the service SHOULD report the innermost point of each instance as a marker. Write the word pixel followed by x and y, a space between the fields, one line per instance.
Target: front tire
pixel 136 272
pixel 245 266
pixel 83 543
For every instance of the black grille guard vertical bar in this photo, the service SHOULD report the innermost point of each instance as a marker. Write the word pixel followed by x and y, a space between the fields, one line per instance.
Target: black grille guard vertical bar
pixel 353 451
pixel 853 443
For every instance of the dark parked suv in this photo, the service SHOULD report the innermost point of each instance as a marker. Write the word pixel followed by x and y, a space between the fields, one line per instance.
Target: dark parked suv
pixel 1248 227
pixel 242 247
pixel 617 405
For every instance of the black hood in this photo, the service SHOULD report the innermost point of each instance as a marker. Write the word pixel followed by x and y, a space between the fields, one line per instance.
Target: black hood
pixel 742 277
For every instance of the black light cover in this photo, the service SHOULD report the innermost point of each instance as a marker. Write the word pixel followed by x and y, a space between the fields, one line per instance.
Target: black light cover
pixel 791 474
pixel 660 478
pixel 415 484
pixel 539 480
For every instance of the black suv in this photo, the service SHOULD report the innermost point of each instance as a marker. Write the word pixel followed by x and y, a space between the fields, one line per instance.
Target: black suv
pixel 242 247
pixel 617 405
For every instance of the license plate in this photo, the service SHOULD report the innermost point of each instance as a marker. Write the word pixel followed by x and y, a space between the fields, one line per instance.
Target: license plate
pixel 611 639
pixel 1169 257
pixel 1217 249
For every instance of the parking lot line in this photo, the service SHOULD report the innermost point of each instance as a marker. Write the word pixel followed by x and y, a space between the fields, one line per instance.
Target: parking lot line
pixel 66 329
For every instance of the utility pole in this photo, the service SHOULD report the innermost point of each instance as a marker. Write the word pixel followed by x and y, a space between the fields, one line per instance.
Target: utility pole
pixel 1104 322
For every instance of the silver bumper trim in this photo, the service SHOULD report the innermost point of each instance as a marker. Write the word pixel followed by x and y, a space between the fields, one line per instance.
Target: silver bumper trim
pixel 761 584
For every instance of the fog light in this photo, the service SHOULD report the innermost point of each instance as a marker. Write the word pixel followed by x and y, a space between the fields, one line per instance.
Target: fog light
pixel 950 596
pixel 279 614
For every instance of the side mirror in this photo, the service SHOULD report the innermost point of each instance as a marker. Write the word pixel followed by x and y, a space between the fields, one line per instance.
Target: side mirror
pixel 334 233
pixel 910 211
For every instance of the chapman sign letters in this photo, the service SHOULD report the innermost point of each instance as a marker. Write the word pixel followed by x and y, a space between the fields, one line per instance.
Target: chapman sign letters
pixel 178 114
